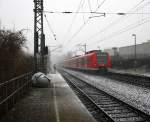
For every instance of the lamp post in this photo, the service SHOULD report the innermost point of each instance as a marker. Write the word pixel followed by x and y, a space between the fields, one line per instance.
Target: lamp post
pixel 134 35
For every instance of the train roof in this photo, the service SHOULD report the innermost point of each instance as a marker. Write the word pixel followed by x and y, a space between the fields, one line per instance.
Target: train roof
pixel 93 51
pixel 75 56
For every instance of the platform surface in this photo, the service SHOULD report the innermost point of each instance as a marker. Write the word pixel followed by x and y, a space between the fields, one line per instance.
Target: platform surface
pixel 55 104
pixel 68 108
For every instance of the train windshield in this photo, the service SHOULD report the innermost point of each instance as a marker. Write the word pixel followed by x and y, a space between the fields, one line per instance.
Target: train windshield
pixel 102 57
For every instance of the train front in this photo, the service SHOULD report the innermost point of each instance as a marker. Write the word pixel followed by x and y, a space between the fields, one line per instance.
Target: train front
pixel 103 60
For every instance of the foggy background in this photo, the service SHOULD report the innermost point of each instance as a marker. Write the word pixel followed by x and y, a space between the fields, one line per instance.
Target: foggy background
pixel 113 30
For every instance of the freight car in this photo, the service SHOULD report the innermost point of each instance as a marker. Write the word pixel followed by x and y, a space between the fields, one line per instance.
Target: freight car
pixel 94 60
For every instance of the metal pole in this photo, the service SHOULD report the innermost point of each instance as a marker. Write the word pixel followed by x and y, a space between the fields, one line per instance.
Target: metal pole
pixel 35 37
pixel 134 50
pixel 39 38
pixel 85 48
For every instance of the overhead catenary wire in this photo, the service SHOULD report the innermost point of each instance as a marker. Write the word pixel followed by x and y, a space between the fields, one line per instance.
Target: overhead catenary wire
pixel 81 12
pixel 118 20
pixel 89 3
pixel 117 33
pixel 83 16
pixel 73 19
pixel 93 12
pixel 79 29
pixel 90 8
pixel 86 12
pixel 100 4
pixel 54 35
pixel 83 25
pixel 97 2
pixel 121 31
pixel 134 8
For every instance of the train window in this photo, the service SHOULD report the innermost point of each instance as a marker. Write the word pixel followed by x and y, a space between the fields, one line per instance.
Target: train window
pixel 79 61
pixel 86 60
pixel 82 61
pixel 102 57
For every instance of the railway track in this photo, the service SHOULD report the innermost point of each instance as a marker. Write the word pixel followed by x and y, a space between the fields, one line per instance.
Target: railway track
pixel 104 107
pixel 134 79
pixel 139 80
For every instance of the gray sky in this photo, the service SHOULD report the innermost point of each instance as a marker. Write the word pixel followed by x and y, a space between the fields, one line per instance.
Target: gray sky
pixel 105 32
pixel 18 14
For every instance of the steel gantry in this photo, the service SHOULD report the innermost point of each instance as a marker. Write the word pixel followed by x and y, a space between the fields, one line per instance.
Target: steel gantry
pixel 39 38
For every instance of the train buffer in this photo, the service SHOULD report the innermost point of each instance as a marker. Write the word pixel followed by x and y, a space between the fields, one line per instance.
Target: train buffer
pixel 58 103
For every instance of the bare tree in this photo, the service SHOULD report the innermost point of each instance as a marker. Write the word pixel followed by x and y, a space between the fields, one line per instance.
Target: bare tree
pixel 11 54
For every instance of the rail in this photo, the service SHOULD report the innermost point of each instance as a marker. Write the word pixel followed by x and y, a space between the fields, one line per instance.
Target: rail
pixel 12 90
pixel 135 79
pixel 101 105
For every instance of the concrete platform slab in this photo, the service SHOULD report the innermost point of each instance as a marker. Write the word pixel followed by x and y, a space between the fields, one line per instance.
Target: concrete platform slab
pixel 55 104
pixel 68 107
pixel 36 106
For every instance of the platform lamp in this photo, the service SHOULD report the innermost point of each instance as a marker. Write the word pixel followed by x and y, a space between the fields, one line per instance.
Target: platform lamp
pixel 134 35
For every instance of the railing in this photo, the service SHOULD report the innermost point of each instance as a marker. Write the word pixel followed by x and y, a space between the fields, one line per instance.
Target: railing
pixel 11 91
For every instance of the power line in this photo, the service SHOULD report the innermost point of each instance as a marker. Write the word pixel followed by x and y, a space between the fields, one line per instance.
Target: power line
pixel 70 27
pixel 82 26
pixel 147 20
pixel 138 4
pixel 104 29
pixel 79 29
pixel 133 26
pixel 83 16
pixel 50 28
pixel 92 12
pixel 117 21
pixel 97 2
pixel 100 5
pixel 89 3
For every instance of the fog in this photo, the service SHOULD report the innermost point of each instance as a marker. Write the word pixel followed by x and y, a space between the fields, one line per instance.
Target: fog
pixel 111 30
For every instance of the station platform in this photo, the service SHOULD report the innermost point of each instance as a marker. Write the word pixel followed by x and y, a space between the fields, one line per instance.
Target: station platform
pixel 58 103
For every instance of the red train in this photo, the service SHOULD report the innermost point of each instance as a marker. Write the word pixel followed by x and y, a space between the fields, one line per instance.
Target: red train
pixel 92 60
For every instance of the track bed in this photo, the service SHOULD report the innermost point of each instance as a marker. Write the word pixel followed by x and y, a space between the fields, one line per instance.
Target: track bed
pixel 103 106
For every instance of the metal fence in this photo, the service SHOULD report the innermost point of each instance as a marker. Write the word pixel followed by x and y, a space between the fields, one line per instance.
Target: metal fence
pixel 11 91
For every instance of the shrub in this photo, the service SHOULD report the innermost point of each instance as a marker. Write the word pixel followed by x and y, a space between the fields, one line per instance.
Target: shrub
pixel 13 61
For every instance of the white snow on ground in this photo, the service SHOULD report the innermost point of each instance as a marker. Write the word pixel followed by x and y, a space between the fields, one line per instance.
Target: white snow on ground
pixel 146 74
pixel 136 96
pixel 131 72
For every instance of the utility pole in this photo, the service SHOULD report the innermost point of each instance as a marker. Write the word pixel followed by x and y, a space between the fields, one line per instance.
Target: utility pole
pixel 39 37
pixel 85 47
pixel 134 35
